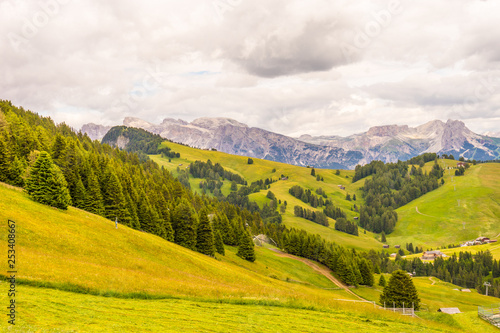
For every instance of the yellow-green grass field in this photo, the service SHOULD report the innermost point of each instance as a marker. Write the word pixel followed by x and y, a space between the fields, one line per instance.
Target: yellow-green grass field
pixel 262 169
pixel 77 273
pixel 48 310
pixel 79 249
pixel 494 248
pixel 473 198
pixel 435 294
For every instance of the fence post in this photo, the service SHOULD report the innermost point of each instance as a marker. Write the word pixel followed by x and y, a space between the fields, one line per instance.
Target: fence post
pixel 393 307
pixel 412 309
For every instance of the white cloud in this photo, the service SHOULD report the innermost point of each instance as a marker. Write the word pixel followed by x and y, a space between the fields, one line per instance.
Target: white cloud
pixel 294 67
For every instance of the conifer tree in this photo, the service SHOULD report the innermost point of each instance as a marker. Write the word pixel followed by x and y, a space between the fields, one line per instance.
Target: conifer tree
pixel 313 172
pixel 4 159
pixel 204 235
pixel 16 171
pixel 114 201
pixel 365 267
pixel 383 239
pixel 399 290
pixel 184 224
pixel 219 244
pixel 381 281
pixel 93 199
pixel 246 248
pixel 46 183
pixel 79 194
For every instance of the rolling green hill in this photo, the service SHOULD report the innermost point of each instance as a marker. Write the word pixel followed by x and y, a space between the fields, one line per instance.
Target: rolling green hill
pixel 436 218
pixel 435 294
pixel 262 169
pixel 68 260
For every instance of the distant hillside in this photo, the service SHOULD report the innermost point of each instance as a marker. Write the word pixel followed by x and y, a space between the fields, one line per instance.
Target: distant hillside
pixel 465 208
pixel 136 140
pixel 264 169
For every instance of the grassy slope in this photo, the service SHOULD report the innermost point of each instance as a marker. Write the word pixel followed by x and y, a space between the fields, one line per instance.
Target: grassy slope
pixel 47 310
pixel 435 294
pixel 479 195
pixel 80 250
pixel 262 169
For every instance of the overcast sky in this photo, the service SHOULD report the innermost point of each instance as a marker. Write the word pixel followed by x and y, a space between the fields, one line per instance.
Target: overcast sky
pixel 320 67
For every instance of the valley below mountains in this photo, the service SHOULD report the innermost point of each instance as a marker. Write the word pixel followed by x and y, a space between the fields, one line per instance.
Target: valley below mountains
pixel 386 143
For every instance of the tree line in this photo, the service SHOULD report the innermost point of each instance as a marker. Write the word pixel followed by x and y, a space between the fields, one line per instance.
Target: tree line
pixel 59 167
pixel 391 186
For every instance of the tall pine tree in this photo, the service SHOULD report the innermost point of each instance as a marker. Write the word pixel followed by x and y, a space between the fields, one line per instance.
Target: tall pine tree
pixel 205 235
pixel 219 244
pixel 184 224
pixel 246 248
pixel 400 289
pixel 114 201
pixel 46 183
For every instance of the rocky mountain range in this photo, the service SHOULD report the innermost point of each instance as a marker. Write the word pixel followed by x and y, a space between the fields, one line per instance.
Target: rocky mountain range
pixel 387 143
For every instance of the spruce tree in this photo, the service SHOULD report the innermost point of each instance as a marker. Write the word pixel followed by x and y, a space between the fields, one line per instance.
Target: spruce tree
pixel 246 248
pixel 219 244
pixel 114 201
pixel 383 239
pixel 93 202
pixel 79 194
pixel 5 159
pixel 381 281
pixel 16 172
pixel 365 267
pixel 399 290
pixel 205 235
pixel 184 224
pixel 46 183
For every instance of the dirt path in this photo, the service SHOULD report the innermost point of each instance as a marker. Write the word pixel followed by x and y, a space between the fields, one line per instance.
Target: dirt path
pixel 416 208
pixel 432 281
pixel 322 270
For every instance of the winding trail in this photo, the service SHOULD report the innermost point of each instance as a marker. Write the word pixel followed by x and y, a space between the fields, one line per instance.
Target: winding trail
pixel 430 278
pixel 322 270
pixel 416 208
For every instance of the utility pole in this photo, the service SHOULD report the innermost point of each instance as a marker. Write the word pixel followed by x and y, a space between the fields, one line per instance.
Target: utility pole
pixel 487 284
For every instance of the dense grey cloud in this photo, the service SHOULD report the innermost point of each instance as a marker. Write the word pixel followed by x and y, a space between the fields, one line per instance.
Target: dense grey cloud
pixel 294 67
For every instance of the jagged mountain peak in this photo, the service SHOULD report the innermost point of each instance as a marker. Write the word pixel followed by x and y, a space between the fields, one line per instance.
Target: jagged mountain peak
pixel 387 130
pixel 211 123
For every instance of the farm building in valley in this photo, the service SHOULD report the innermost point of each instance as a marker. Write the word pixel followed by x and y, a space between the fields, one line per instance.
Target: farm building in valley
pixel 430 255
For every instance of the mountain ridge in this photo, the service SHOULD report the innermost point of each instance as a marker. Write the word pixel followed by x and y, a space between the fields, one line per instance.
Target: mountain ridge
pixel 388 143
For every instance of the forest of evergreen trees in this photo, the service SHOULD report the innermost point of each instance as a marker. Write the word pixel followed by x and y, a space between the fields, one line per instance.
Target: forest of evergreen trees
pixel 311 215
pixel 463 269
pixel 351 267
pixel 59 167
pixel 391 186
pixel 215 172
pixel 138 141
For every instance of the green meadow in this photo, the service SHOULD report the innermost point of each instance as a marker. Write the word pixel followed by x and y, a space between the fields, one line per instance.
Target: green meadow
pixel 78 273
pixel 435 294
pixel 473 199
pixel 262 169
